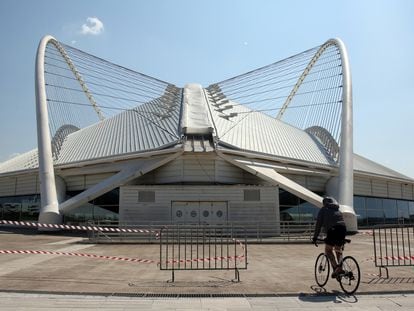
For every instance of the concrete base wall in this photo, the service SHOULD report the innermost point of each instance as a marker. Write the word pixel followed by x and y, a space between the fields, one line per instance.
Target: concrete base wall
pixel 199 204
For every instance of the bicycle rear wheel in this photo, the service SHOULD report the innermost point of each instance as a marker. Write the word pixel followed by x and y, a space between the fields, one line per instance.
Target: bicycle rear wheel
pixel 322 269
pixel 349 281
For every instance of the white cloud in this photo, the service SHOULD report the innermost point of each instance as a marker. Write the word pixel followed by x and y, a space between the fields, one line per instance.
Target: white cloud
pixel 93 26
pixel 73 42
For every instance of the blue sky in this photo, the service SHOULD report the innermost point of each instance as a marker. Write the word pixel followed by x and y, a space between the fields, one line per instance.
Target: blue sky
pixel 209 41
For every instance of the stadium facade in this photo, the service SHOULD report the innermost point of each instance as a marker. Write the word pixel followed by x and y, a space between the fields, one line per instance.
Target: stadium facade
pixel 262 147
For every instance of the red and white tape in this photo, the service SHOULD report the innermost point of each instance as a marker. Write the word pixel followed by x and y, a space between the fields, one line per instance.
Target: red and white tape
pixel 39 252
pixel 71 227
pixel 368 259
pixel 86 228
pixel 116 258
pixel 105 229
pixel 397 258
pixel 240 243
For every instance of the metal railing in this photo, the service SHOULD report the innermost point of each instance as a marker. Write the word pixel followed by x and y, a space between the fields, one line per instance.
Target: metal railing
pixel 393 246
pixel 282 232
pixel 184 247
pixel 124 232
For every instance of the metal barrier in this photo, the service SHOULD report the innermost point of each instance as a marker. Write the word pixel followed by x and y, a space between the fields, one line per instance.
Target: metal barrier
pixel 393 246
pixel 283 232
pixel 123 232
pixel 184 247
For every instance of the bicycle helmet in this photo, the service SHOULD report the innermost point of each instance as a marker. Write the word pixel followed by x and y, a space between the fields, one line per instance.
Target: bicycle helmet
pixel 329 201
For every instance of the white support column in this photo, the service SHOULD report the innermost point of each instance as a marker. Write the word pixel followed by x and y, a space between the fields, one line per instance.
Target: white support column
pixel 346 152
pixel 49 211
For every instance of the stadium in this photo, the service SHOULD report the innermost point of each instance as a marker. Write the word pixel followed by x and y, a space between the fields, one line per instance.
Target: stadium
pixel 262 147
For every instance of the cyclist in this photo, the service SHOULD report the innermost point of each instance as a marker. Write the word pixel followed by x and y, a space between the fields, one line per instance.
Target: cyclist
pixel 331 219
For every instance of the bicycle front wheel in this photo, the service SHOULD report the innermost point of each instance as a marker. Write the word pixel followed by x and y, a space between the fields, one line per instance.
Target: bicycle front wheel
pixel 349 281
pixel 322 269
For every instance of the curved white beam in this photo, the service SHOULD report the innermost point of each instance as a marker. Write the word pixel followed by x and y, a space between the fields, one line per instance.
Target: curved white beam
pixel 49 210
pixel 346 150
pixel 346 167
pixel 304 75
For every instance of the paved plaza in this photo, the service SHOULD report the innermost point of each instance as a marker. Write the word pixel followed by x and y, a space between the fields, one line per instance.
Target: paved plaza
pixel 372 302
pixel 277 275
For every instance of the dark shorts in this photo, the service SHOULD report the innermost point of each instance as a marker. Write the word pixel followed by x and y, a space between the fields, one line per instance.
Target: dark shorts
pixel 336 235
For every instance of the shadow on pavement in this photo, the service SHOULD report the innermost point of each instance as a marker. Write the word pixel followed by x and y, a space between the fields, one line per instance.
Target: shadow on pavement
pixel 395 280
pixel 322 296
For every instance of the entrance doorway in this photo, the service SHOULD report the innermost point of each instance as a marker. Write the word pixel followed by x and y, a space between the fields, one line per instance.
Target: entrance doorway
pixel 199 212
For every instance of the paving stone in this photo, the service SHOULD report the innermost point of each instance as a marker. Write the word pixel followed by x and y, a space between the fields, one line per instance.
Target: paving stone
pixel 274 270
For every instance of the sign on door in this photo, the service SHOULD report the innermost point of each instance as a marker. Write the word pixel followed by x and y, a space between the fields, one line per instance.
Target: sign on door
pixel 196 212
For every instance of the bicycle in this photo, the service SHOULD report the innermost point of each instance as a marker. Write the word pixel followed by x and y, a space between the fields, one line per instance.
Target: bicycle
pixel 349 280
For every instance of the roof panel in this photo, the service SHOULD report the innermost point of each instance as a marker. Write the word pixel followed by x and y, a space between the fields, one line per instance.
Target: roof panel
pixel 367 166
pixel 257 132
pixel 25 161
pixel 155 125
pixel 136 130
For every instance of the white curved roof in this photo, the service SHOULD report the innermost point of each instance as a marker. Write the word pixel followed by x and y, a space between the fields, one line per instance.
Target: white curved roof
pixel 140 130
pixel 257 132
pixel 132 131
pixel 144 129
pixel 25 161
pixel 364 165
